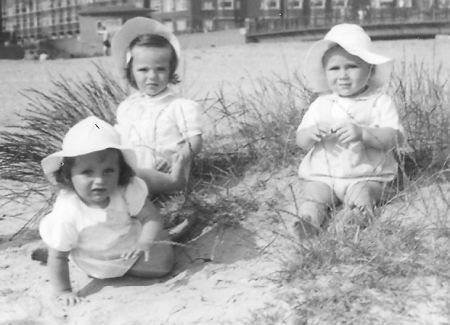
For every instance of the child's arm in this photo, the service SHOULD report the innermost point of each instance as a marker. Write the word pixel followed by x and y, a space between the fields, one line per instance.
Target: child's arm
pixel 159 182
pixel 152 225
pixel 307 137
pixel 191 148
pixel 59 277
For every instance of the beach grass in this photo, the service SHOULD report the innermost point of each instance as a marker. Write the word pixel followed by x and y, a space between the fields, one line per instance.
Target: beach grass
pixel 246 173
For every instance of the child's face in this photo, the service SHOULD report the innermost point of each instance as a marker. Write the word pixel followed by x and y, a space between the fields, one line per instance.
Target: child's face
pixel 95 177
pixel 151 68
pixel 346 74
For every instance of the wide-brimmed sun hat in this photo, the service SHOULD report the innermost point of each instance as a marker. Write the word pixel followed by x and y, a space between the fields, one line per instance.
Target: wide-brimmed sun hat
pixel 89 135
pixel 355 41
pixel 129 31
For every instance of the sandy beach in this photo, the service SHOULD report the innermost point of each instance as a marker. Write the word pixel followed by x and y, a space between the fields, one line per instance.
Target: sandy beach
pixel 228 274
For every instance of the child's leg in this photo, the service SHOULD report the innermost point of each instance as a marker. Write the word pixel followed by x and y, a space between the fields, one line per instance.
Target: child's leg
pixel 361 199
pixel 160 263
pixel 313 208
pixel 364 195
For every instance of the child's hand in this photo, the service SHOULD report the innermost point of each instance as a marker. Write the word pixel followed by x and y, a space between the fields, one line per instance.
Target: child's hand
pixel 319 131
pixel 137 251
pixel 67 299
pixel 347 132
pixel 163 166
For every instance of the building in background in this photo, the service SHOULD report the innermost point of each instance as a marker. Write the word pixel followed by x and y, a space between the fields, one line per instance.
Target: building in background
pixel 28 20
pixel 77 21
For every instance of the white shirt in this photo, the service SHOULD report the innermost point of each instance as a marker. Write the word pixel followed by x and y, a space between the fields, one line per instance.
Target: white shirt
pixel 329 158
pixel 157 127
pixel 96 238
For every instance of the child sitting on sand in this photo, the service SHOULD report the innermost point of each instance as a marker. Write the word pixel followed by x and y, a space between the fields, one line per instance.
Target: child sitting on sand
pixel 102 217
pixel 155 121
pixel 350 130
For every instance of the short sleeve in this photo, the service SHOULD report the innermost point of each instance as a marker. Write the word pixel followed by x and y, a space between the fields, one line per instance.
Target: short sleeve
pixel 187 116
pixel 58 229
pixel 387 114
pixel 135 195
pixel 311 116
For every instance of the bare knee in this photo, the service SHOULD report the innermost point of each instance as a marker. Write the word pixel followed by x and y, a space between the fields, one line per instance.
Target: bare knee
pixel 364 194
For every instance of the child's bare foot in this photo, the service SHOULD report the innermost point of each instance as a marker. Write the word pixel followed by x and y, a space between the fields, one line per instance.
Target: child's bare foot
pixel 180 232
pixel 305 229
pixel 359 217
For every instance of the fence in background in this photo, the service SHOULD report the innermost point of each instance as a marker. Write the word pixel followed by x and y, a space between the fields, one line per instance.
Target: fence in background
pixel 382 23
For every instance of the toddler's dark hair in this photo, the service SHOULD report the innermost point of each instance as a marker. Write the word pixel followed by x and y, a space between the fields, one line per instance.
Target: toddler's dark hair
pixel 150 40
pixel 64 178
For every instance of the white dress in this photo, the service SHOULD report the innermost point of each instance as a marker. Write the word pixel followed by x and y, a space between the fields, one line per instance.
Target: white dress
pixel 96 238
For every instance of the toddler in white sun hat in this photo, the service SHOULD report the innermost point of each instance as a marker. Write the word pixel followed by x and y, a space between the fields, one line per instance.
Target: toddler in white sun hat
pixel 350 131
pixel 155 120
pixel 102 218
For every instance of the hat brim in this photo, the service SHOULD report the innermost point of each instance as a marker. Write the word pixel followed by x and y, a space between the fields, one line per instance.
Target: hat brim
pixel 129 31
pixel 315 74
pixel 53 163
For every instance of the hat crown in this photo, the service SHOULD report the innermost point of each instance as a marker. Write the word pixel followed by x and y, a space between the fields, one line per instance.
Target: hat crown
pixel 89 135
pixel 351 37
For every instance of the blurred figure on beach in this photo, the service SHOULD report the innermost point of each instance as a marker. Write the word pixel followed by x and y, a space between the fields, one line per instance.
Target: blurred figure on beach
pixel 102 218
pixel 106 43
pixel 350 131
pixel 155 120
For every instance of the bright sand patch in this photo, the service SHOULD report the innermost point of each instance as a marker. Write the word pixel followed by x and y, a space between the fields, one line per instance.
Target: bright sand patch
pixel 244 259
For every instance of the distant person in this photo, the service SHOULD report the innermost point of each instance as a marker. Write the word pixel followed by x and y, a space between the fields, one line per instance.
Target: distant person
pixel 155 121
pixel 102 217
pixel 350 131
pixel 43 56
pixel 106 43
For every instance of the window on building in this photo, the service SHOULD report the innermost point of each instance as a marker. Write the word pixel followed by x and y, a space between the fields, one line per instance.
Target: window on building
pixel 208 5
pixel 167 6
pixel 180 5
pixel 295 4
pixel 270 4
pixel 274 4
pixel 318 4
pixel 226 4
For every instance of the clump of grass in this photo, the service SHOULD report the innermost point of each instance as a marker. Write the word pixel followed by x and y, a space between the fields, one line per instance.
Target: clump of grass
pixel 48 118
pixel 422 99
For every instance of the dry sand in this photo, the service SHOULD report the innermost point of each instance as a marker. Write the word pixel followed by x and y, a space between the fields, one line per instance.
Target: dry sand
pixel 239 279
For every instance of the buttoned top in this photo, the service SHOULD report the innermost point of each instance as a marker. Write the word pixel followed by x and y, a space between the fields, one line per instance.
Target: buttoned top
pixel 330 158
pixel 158 126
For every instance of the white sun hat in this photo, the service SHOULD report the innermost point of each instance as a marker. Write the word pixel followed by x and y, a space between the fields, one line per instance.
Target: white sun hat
pixel 89 135
pixel 355 41
pixel 129 31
